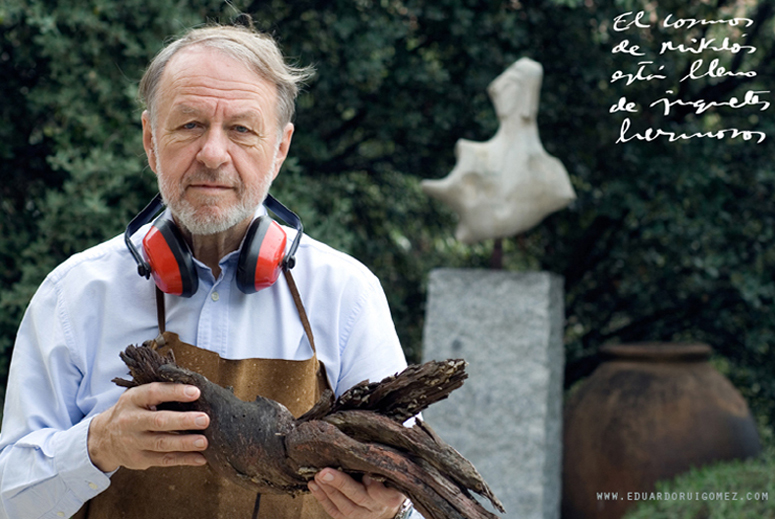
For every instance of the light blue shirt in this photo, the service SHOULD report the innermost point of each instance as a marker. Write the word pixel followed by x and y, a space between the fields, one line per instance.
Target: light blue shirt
pixel 95 304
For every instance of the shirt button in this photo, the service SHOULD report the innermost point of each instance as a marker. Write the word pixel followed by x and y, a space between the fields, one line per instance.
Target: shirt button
pixel 93 486
pixel 214 296
pixel 60 514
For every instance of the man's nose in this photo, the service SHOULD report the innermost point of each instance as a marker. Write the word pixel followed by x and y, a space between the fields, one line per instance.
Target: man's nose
pixel 215 148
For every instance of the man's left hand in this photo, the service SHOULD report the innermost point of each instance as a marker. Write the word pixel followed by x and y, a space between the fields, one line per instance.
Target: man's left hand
pixel 342 497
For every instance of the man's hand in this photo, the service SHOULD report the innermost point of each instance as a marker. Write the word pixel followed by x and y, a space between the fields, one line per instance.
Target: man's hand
pixel 133 434
pixel 344 498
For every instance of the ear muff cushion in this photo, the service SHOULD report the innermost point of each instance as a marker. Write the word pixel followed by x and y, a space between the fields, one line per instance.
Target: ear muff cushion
pixel 261 257
pixel 171 263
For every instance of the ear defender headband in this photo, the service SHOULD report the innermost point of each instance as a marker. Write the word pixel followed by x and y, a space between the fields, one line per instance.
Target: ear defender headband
pixel 168 259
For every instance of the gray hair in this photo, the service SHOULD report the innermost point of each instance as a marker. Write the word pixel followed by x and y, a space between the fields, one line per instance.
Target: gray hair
pixel 258 51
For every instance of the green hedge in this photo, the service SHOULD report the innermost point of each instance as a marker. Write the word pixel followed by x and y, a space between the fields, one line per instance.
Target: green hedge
pixel 730 490
pixel 666 241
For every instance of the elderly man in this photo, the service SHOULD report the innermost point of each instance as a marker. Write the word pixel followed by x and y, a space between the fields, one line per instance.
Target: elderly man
pixel 216 131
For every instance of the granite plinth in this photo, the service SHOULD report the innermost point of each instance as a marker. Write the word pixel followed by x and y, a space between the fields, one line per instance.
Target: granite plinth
pixel 506 419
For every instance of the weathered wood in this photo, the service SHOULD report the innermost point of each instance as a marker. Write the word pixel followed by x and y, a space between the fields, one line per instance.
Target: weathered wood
pixel 261 446
pixel 408 393
pixel 321 444
pixel 418 441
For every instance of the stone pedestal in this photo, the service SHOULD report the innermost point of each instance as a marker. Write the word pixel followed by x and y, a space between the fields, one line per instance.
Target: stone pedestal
pixel 506 419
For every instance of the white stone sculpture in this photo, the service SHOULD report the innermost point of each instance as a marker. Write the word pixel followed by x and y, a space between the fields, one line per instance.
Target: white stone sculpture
pixel 508 184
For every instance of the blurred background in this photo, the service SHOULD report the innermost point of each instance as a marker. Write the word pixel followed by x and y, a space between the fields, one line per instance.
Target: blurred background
pixel 668 241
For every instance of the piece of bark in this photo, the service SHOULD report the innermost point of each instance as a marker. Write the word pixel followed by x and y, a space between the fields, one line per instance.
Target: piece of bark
pixel 419 441
pixel 261 446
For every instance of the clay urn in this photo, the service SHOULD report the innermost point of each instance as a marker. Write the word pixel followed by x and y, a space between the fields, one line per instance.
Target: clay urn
pixel 648 413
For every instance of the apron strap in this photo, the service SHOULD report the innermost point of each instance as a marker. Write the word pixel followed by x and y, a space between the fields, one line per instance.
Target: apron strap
pixel 160 311
pixel 300 308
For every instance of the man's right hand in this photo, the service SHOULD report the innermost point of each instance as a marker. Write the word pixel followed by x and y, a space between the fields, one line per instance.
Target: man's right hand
pixel 133 434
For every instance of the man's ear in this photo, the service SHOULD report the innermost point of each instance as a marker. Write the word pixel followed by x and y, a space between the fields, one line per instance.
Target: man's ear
pixel 282 150
pixel 148 140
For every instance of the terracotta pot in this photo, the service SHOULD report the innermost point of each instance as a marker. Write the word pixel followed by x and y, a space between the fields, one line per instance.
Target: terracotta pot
pixel 651 412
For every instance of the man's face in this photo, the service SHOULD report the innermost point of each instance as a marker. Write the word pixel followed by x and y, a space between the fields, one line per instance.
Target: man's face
pixel 215 144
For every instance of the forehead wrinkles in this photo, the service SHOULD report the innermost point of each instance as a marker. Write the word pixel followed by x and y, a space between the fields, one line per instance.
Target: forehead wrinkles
pixel 213 87
pixel 214 76
pixel 220 110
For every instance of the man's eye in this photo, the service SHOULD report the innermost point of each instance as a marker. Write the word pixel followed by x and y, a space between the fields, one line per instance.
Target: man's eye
pixel 241 129
pixel 189 126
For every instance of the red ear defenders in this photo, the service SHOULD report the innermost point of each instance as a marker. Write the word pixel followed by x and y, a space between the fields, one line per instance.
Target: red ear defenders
pixel 168 259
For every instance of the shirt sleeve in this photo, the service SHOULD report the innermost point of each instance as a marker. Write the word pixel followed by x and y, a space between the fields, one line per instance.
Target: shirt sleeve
pixel 369 345
pixel 45 469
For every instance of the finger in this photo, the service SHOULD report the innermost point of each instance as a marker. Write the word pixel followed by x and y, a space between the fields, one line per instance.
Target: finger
pixel 328 506
pixel 171 459
pixel 165 442
pixel 346 493
pixel 155 393
pixel 388 496
pixel 170 421
pixel 336 480
pixel 341 505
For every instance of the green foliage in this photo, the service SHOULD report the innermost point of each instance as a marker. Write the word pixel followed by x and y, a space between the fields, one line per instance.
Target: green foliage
pixel 667 240
pixel 739 489
pixel 72 167
pixel 672 241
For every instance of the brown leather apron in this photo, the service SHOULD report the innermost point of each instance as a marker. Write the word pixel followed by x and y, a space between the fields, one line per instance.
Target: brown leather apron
pixel 198 492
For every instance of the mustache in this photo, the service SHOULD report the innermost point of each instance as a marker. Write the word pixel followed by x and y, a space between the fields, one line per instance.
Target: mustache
pixel 212 176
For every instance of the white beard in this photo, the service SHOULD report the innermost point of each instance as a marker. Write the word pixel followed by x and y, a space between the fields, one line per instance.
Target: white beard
pixel 209 218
